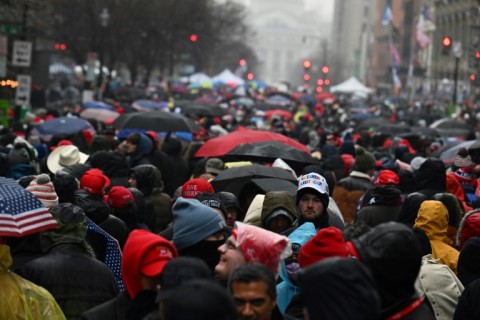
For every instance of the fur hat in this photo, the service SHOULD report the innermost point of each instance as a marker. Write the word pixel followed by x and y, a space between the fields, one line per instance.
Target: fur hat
pixel 43 189
pixel 364 160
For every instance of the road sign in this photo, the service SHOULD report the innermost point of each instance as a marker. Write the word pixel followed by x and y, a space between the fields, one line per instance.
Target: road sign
pixel 22 93
pixel 22 53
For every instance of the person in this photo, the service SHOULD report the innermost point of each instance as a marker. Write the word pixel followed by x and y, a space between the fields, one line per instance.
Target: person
pixel 197 299
pixel 44 190
pixel 122 203
pixel 469 261
pixel 312 201
pixel 81 282
pixel 213 201
pixel 249 244
pixel 431 177
pixel 65 156
pixel 157 210
pixel 433 219
pixel 468 307
pixel 253 288
pixel 350 189
pixel 349 290
pixel 290 266
pixel 214 166
pixel 392 249
pixel 198 230
pixel 22 299
pixel 234 213
pixel 90 198
pixel 139 147
pixel 278 211
pixel 144 258
pixel 193 187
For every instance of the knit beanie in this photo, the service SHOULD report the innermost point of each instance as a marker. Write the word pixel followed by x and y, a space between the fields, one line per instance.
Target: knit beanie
pixel 195 186
pixel 18 155
pixel 328 242
pixel 462 159
pixel 193 222
pixel 313 183
pixel 43 189
pixel 464 175
pixel 212 200
pixel 95 182
pixel 364 160
pixel 65 185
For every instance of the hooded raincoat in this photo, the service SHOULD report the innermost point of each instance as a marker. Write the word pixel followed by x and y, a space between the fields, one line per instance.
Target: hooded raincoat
pixel 433 220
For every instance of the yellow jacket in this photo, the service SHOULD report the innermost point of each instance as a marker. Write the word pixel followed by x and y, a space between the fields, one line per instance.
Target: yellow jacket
pixel 20 298
pixel 432 218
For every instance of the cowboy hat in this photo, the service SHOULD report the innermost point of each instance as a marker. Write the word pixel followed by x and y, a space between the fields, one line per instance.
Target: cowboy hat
pixel 65 156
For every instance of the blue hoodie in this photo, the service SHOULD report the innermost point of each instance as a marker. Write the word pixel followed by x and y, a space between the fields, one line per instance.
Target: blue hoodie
pixel 286 289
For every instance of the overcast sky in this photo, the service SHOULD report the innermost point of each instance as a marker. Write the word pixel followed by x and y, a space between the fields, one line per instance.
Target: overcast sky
pixel 324 7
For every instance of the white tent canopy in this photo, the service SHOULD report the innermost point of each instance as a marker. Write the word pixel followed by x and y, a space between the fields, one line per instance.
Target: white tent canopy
pixel 353 86
pixel 200 77
pixel 226 76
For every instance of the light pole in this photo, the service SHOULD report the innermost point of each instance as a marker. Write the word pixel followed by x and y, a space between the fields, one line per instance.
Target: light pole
pixel 104 20
pixel 457 52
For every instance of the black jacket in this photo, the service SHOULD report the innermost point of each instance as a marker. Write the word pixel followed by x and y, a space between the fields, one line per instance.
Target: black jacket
pixel 114 309
pixel 468 307
pixel 380 204
pixel 99 212
pixel 77 281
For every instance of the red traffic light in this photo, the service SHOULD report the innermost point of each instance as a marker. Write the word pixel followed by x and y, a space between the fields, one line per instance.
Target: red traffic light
pixel 320 82
pixel 319 89
pixel 242 62
pixel 193 37
pixel 250 76
pixel 60 46
pixel 307 64
pixel 477 55
pixel 473 77
pixel 306 77
pixel 446 41
pixel 325 69
pixel 327 82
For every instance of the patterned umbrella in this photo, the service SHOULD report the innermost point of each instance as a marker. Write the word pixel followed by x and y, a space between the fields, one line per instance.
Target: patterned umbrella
pixel 21 213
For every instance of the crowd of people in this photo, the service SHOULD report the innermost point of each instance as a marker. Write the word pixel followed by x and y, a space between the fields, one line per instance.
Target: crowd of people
pixel 370 231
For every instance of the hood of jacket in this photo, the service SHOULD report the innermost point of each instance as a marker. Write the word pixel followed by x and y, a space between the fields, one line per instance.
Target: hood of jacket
pixel 469 227
pixel 149 179
pixel 349 290
pixel 144 148
pixel 93 206
pixel 5 258
pixel 432 175
pixel 393 254
pixel 278 200
pixel 254 212
pixel 469 261
pixel 138 244
pixel 433 219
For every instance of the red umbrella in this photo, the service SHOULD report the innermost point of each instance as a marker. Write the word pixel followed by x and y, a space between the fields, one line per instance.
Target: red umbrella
pixel 282 113
pixel 325 95
pixel 220 146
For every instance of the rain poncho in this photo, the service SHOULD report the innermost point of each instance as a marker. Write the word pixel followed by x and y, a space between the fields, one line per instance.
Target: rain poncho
pixel 433 219
pixel 287 289
pixel 20 298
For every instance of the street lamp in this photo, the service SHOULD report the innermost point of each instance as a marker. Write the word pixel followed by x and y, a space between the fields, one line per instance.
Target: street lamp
pixel 104 18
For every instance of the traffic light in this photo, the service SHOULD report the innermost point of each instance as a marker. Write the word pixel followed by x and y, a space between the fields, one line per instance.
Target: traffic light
pixel 306 77
pixel 307 64
pixel 326 82
pixel 325 69
pixel 320 82
pixel 193 37
pixel 242 62
pixel 446 45
pixel 60 46
pixel 250 76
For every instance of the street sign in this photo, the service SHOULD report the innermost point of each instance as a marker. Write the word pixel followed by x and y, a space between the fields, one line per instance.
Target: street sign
pixel 22 93
pixel 457 49
pixel 22 53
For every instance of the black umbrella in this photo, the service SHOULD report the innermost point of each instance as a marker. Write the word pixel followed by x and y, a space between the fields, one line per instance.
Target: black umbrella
pixel 155 121
pixel 233 179
pixel 199 109
pixel 268 151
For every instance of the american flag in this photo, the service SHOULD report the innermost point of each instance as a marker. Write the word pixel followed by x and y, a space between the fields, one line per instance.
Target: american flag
pixel 21 213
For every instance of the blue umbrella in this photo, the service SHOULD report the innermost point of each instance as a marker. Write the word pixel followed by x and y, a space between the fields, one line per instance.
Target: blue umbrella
pixel 98 105
pixel 149 105
pixel 67 125
pixel 185 136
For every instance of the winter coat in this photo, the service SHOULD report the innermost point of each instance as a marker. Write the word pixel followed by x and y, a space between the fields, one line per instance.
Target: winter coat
pixel 114 309
pixel 77 281
pixel 158 204
pixel 468 307
pixel 348 191
pixel 99 212
pixel 22 299
pixel 437 283
pixel 287 289
pixel 113 164
pixel 454 187
pixel 254 212
pixel 393 249
pixel 433 219
pixel 383 204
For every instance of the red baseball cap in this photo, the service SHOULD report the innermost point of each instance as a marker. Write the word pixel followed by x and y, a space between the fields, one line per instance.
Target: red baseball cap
pixel 195 186
pixel 94 181
pixel 156 258
pixel 119 196
pixel 387 177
